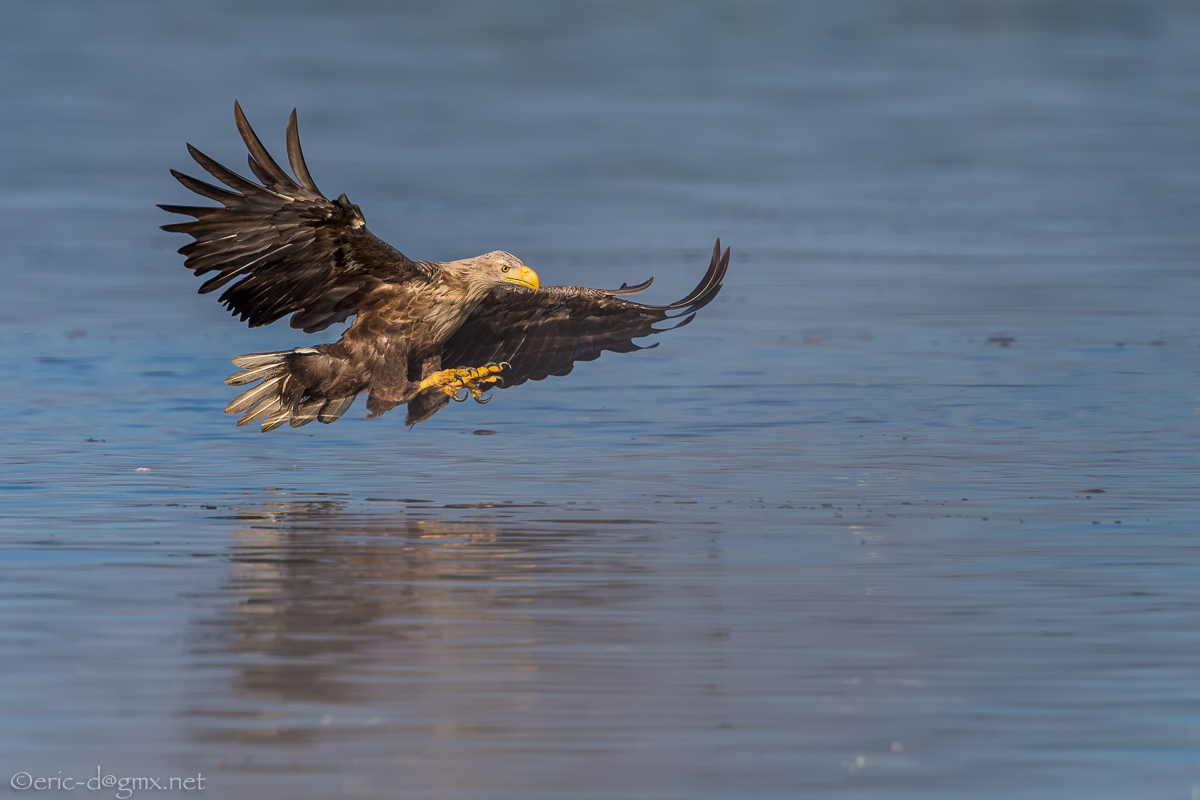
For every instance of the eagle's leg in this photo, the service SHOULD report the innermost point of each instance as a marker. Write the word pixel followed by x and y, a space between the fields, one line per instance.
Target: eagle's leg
pixel 475 380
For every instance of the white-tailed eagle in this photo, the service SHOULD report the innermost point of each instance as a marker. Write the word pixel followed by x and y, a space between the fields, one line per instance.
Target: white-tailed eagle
pixel 423 331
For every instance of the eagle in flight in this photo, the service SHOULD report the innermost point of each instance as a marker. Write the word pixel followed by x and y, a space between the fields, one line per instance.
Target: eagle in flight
pixel 424 332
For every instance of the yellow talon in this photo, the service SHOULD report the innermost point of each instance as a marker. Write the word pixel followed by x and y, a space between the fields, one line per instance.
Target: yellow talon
pixel 474 380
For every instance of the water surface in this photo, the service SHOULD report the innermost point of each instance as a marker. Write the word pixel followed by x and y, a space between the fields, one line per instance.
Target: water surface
pixel 909 511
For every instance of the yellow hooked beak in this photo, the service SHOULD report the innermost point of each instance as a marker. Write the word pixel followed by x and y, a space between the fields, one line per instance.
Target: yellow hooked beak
pixel 524 277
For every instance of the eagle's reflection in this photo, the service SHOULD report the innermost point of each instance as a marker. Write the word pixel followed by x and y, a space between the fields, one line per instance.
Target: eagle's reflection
pixel 319 602
pixel 333 619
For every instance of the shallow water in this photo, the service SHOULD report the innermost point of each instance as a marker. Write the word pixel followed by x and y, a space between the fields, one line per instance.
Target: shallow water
pixel 909 511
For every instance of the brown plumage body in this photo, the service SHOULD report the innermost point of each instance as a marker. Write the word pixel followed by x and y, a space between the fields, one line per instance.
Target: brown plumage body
pixel 423 332
pixel 396 339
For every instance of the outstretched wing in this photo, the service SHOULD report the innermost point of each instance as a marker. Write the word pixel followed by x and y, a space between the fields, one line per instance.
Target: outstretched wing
pixel 544 333
pixel 290 249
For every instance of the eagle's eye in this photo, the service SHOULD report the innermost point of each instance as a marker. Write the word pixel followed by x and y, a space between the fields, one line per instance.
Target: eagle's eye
pixel 504 268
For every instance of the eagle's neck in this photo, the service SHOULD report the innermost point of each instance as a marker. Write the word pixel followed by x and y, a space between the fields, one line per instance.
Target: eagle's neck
pixel 457 292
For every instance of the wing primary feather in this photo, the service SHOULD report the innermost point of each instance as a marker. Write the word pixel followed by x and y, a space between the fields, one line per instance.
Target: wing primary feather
pixel 627 289
pixel 275 246
pixel 714 285
pixel 705 291
pixel 296 155
pixel 259 172
pixel 712 279
pixel 231 178
pixel 223 196
pixel 260 154
pixel 546 333
pixel 679 324
pixel 222 278
pixel 191 211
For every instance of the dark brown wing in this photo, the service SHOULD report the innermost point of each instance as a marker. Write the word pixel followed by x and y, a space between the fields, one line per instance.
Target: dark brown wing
pixel 291 250
pixel 544 333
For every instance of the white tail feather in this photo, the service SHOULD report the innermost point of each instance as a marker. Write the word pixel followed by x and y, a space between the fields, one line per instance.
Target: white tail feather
pixel 278 418
pixel 252 396
pixel 306 412
pixel 335 408
pixel 255 373
pixel 258 359
pixel 263 409
pixel 268 400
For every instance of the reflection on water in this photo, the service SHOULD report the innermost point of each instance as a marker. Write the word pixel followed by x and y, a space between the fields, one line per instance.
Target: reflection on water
pixel 522 651
pixel 908 512
pixel 403 637
pixel 319 595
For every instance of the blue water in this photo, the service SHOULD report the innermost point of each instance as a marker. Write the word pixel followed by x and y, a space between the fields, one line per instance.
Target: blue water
pixel 910 511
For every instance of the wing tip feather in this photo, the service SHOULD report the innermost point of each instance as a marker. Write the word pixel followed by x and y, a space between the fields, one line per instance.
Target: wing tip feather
pixel 267 167
pixel 296 154
pixel 626 289
pixel 709 286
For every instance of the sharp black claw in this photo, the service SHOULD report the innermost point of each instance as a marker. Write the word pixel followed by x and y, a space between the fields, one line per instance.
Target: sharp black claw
pixel 505 364
pixel 483 401
pixel 458 399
